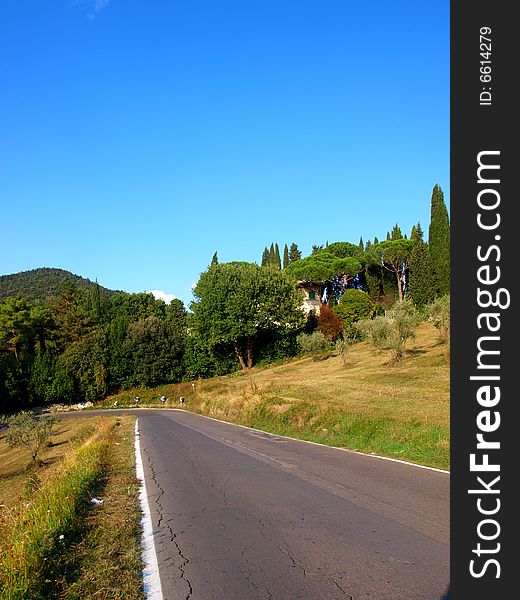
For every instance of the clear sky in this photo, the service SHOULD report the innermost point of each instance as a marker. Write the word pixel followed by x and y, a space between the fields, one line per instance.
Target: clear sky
pixel 138 137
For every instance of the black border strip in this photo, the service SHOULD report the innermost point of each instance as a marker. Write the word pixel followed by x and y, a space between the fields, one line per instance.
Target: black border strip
pixel 483 123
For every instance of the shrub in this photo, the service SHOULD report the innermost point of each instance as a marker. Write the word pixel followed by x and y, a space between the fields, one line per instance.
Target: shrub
pixel 330 325
pixel 355 305
pixel 315 344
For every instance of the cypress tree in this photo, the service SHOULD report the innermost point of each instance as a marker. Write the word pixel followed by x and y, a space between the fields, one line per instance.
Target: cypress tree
pixel 361 245
pixel 285 256
pixel 265 257
pixel 277 259
pixel 439 241
pixel 214 260
pixel 422 283
pixel 294 253
pixel 396 233
pixel 272 255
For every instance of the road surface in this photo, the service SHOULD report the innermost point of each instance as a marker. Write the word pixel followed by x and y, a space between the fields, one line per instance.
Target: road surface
pixel 241 514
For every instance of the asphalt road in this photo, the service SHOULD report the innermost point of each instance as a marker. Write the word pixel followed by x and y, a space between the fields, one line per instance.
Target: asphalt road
pixel 243 515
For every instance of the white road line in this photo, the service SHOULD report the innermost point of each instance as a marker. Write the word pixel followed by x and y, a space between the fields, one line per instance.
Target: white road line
pixel 397 460
pixel 151 579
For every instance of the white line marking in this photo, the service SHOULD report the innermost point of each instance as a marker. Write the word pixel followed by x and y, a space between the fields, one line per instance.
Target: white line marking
pixel 151 579
pixel 398 460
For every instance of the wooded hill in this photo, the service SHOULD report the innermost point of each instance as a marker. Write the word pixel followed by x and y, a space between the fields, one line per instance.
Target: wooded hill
pixel 39 284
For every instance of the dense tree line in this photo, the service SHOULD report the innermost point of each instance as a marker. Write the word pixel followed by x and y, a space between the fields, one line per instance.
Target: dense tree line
pixel 84 342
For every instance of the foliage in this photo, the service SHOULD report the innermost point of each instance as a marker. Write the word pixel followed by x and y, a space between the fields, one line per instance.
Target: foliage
pixel 439 240
pixel 353 306
pixel 294 253
pixel 34 534
pixel 315 344
pixel 439 315
pixel 236 302
pixel 394 255
pixel 330 324
pixel 39 284
pixel 393 331
pixel 422 282
pixel 329 269
pixel 28 432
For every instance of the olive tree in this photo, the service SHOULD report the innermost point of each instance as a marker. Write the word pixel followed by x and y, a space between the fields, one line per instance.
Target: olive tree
pixel 28 432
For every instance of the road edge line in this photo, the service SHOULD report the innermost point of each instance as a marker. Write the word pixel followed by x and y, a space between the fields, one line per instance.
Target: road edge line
pixel 398 460
pixel 151 578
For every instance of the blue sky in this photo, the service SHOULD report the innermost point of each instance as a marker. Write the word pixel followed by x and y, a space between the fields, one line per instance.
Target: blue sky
pixel 138 137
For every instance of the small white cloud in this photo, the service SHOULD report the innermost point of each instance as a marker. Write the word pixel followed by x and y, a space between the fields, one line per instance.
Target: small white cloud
pixel 160 295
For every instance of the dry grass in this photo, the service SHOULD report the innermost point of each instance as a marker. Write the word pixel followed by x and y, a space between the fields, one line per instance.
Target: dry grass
pixel 373 404
pixel 54 542
pixel 14 463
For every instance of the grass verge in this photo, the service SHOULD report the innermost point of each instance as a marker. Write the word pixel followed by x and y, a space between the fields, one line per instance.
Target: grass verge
pixel 372 404
pixel 60 545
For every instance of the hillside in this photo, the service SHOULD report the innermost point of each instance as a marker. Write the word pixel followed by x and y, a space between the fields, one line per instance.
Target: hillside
pixel 38 284
pixel 371 404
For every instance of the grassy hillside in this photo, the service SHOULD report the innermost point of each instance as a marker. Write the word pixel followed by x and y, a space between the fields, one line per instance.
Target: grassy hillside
pixel 372 404
pixel 37 284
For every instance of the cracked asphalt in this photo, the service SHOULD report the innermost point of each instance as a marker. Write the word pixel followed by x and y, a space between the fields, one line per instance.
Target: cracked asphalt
pixel 240 514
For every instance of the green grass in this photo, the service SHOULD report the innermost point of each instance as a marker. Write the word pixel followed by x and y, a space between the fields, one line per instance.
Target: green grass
pixel 373 404
pixel 43 538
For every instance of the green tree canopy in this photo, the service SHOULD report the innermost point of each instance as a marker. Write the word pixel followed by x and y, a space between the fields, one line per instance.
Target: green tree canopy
pixel 439 240
pixel 394 255
pixel 237 301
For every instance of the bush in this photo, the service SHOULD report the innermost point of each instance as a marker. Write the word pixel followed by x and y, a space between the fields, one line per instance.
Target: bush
pixel 315 344
pixel 330 324
pixel 355 305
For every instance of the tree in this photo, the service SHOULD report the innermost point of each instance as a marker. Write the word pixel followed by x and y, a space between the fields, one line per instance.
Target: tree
pixel 393 331
pixel 25 430
pixel 285 256
pixel 16 326
pixel 236 302
pixel 353 306
pixel 331 268
pixel 294 253
pixel 394 255
pixel 439 240
pixel 265 258
pixel 422 283
pixel 396 233
pixel 439 316
pixel 214 260
pixel 277 261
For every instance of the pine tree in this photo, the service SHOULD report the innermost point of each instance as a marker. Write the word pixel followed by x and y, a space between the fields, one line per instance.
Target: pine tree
pixel 294 253
pixel 214 260
pixel 439 241
pixel 285 256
